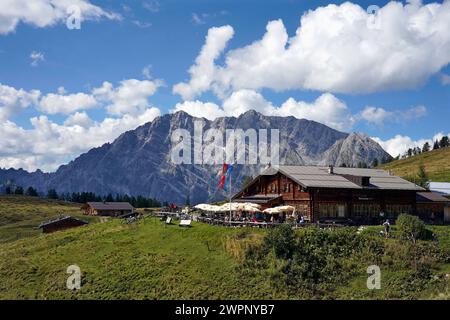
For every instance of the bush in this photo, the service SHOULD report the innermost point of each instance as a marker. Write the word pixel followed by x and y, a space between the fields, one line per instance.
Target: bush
pixel 315 263
pixel 411 228
pixel 281 240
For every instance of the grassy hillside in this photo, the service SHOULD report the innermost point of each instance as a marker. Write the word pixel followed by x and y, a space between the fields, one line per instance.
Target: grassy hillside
pixel 436 162
pixel 151 260
pixel 20 215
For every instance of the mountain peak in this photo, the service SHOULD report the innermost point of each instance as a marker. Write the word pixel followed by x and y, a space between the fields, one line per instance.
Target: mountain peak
pixel 139 161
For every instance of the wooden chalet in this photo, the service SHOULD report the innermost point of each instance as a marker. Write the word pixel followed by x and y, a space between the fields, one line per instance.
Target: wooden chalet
pixel 433 207
pixel 61 223
pixel 113 209
pixel 324 193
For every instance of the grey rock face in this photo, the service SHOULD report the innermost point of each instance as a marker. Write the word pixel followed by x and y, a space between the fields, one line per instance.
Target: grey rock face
pixel 138 162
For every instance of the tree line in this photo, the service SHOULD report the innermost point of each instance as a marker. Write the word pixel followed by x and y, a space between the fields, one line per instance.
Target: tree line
pixel 444 142
pixel 83 197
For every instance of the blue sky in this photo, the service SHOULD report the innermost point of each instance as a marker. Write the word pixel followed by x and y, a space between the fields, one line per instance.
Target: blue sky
pixel 157 42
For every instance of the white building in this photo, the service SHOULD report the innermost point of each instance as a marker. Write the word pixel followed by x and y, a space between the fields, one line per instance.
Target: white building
pixel 440 187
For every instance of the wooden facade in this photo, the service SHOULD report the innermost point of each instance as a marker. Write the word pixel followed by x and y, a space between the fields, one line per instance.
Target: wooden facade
pixel 365 204
pixel 112 209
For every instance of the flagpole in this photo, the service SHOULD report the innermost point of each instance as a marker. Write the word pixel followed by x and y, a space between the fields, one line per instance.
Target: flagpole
pixel 230 198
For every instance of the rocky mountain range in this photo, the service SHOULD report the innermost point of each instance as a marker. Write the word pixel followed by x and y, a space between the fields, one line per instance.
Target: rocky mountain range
pixel 139 162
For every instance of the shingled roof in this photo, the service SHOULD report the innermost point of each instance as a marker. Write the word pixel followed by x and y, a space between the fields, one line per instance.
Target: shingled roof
pixel 431 197
pixel 60 219
pixel 318 177
pixel 110 206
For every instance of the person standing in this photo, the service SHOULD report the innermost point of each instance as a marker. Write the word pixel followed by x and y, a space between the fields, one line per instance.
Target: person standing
pixel 387 228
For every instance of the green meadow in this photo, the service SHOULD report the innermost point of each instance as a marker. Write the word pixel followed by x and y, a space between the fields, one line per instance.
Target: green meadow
pixel 436 163
pixel 151 260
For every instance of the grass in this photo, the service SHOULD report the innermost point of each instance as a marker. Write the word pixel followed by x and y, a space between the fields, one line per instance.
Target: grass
pixel 20 215
pixel 118 261
pixel 436 162
pixel 148 260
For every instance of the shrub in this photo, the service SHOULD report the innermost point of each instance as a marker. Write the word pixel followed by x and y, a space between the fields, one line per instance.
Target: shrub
pixel 281 240
pixel 411 227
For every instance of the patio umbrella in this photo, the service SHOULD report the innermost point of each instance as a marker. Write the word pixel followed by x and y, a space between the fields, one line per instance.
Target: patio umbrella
pixel 226 207
pixel 207 207
pixel 248 206
pixel 201 206
pixel 286 208
pixel 272 210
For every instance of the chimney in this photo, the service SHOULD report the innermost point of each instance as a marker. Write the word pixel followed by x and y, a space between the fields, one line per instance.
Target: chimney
pixel 330 169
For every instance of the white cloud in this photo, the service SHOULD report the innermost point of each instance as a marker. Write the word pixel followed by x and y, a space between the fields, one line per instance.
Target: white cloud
pixel 399 144
pixel 375 115
pixel 59 103
pixel 204 71
pixel 243 100
pixel 412 113
pixel 45 13
pixel 79 119
pixel 36 57
pixel 334 49
pixel 131 96
pixel 326 109
pixel 379 116
pixel 200 109
pixel 49 144
pixel 13 100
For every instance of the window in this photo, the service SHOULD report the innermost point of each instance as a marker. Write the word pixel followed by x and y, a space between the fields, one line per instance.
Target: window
pixel 272 188
pixel 331 210
pixel 366 210
pixel 393 210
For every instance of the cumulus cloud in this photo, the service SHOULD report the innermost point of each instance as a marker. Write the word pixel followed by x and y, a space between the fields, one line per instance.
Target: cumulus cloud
pixel 60 103
pixel 326 109
pixel 379 115
pixel 335 49
pixel 13 100
pixel 49 144
pixel 79 119
pixel 204 71
pixel 200 109
pixel 45 13
pixel 399 144
pixel 131 96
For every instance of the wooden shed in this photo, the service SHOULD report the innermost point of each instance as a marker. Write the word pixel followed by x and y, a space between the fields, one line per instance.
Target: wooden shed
pixel 61 223
pixel 113 209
